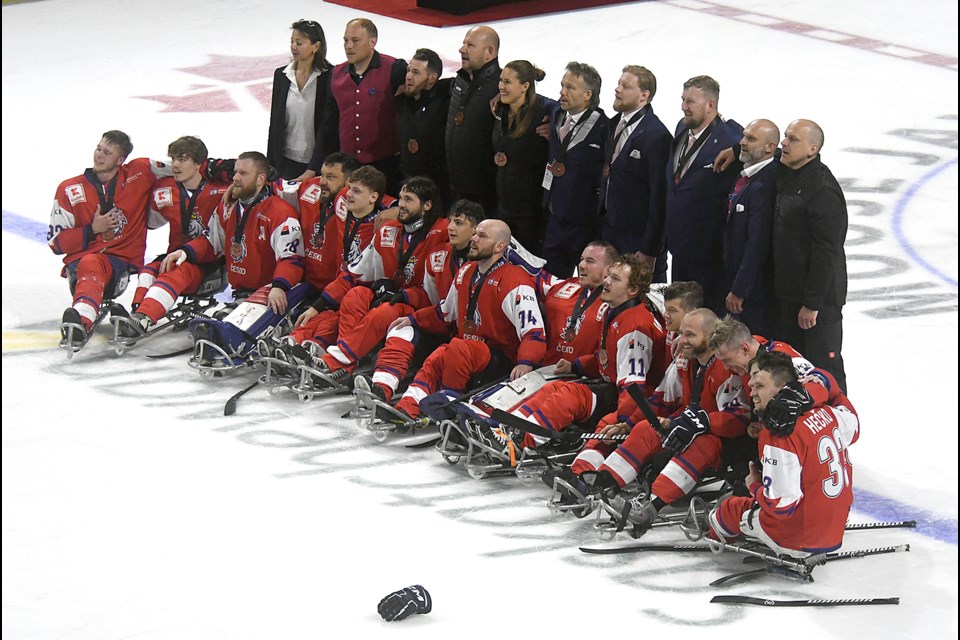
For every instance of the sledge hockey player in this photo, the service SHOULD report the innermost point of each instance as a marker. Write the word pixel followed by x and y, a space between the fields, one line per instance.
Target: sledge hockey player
pixel 185 201
pixel 440 268
pixel 736 348
pixel 493 305
pixel 358 206
pixel 799 503
pixel 98 224
pixel 260 236
pixel 715 409
pixel 386 282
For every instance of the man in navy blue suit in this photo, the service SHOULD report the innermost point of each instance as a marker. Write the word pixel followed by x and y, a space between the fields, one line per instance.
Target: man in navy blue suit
pixel 696 195
pixel 632 190
pixel 578 130
pixel 748 233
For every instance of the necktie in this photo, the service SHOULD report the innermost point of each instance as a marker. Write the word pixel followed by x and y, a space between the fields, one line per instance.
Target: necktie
pixel 737 190
pixel 681 162
pixel 616 136
pixel 565 127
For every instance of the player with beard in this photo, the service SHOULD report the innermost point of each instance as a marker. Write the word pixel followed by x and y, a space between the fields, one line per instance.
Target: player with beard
pixel 440 268
pixel 493 306
pixel 98 224
pixel 185 201
pixel 393 262
pixel 715 410
pixel 260 236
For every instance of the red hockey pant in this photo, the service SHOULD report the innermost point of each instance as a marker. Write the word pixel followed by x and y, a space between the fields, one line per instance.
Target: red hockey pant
pixel 450 367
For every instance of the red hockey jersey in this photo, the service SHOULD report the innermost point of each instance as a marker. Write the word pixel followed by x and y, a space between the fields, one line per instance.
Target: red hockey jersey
pixel 76 202
pixel 381 258
pixel 569 337
pixel 807 491
pixel 721 396
pixel 505 315
pixel 267 248
pixel 188 217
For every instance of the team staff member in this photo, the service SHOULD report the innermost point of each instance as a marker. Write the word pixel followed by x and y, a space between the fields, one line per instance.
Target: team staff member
pixel 423 115
pixel 469 145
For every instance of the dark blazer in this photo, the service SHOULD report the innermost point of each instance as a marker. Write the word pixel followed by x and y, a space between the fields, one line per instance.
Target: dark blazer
pixel 809 229
pixel 697 210
pixel 325 121
pixel 633 194
pixel 572 197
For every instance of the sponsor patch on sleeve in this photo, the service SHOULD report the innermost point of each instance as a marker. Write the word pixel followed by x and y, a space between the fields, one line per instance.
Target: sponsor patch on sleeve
pixel 74 193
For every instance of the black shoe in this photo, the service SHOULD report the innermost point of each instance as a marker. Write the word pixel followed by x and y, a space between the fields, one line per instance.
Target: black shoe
pixel 571 492
pixel 137 327
pixel 72 317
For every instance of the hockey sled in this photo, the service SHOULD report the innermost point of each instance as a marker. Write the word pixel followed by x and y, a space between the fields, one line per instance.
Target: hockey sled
pixel 69 330
pixel 186 309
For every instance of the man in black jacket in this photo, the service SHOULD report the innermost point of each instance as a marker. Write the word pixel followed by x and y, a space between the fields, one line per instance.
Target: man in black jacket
pixel 810 266
pixel 423 108
pixel 469 140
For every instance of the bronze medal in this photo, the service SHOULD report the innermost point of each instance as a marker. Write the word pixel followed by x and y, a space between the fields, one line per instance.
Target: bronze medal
pixel 413 146
pixel 458 118
pixel 109 234
pixel 236 250
pixel 557 169
pixel 602 357
pixel 606 170
pixel 500 159
pixel 568 334
pixel 469 327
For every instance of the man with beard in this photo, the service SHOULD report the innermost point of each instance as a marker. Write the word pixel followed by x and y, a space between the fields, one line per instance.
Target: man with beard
pixel 715 410
pixel 373 290
pixel 748 233
pixel 697 196
pixel 98 224
pixel 577 133
pixel 441 266
pixel 469 138
pixel 185 201
pixel 260 236
pixel 799 504
pixel 632 191
pixel 493 306
pixel 423 111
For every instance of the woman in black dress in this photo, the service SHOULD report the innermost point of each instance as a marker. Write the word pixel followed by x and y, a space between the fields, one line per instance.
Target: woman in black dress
pixel 520 154
pixel 303 116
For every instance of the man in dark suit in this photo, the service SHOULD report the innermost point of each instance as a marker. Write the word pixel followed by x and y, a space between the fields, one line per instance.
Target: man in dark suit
pixel 632 190
pixel 747 235
pixel 696 195
pixel 810 266
pixel 578 130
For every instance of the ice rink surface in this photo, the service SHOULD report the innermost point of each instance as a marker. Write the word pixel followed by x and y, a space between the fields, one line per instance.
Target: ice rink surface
pixel 133 509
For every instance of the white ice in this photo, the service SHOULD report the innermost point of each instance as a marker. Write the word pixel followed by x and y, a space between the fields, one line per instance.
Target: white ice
pixel 133 509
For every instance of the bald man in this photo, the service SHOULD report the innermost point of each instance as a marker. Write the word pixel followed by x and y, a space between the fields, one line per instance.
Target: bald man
pixel 810 266
pixel 492 308
pixel 469 141
pixel 747 235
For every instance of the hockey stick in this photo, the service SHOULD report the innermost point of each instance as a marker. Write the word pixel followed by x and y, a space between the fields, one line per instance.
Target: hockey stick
pixel 230 407
pixel 637 395
pixel 830 557
pixel 893 524
pixel 518 423
pixel 837 602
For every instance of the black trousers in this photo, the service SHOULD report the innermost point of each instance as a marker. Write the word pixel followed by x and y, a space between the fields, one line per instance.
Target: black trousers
pixel 821 344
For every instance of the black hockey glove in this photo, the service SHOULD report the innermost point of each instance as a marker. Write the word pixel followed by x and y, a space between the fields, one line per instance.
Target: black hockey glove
pixel 321 304
pixel 685 428
pixel 783 410
pixel 404 603
pixel 219 170
pixel 383 291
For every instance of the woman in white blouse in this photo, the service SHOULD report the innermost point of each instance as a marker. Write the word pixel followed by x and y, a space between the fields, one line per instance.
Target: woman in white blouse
pixel 303 115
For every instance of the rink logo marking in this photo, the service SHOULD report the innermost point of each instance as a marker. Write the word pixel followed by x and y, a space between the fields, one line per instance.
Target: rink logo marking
pixel 818 33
